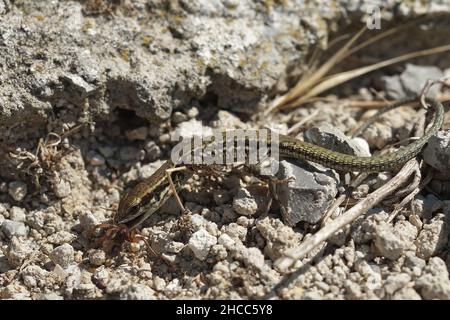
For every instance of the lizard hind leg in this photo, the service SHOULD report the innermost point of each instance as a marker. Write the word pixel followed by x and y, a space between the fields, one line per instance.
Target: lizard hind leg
pixel 135 236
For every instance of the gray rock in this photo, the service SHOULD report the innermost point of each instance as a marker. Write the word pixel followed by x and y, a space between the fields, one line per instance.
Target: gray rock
pixel 244 203
pixel 137 291
pixel 96 159
pixel 307 198
pixel 411 81
pixel 61 237
pixel 437 153
pixel 434 282
pixel 163 243
pixel 277 237
pixel 251 257
pixel 432 238
pixel 389 243
pixel 153 152
pixel 332 138
pixel 17 214
pixel 63 255
pixel 34 276
pixel 49 296
pixel 97 257
pixel 13 228
pixel 178 117
pixel 406 294
pixel 137 134
pixel 17 190
pixel 396 282
pixel 18 251
pixel 62 189
pixel 393 87
pixel 77 88
pixel 414 78
pixel 129 153
pixel 106 151
pixel 235 231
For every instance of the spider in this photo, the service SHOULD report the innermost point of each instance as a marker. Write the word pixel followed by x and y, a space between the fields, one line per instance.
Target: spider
pixel 119 234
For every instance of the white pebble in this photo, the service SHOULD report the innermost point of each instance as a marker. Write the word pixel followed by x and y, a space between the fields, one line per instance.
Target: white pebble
pixel 17 190
pixel 63 255
pixel 200 243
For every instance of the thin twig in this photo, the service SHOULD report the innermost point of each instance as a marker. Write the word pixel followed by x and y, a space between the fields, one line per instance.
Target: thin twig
pixel 292 255
pixel 410 197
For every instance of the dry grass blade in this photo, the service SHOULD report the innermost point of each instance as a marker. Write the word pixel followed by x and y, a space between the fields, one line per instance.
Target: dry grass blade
pixel 342 77
pixel 304 85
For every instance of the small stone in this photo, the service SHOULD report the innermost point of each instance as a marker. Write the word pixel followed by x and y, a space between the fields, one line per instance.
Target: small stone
pixel 13 228
pixel 219 252
pixel 251 257
pixel 129 153
pixel 137 291
pixel 95 159
pixel 17 190
pixel 178 117
pixel 153 152
pixel 49 296
pixel 97 257
pixel 192 128
pixel 306 198
pixel 172 288
pixel 227 120
pixel 226 241
pixel 17 214
pixel 388 242
pixel 107 151
pixel 17 252
pixel 406 294
pixel 101 276
pixel 434 282
pixel 411 81
pixel 34 276
pixel 278 237
pixel 61 237
pixel 437 152
pixel 393 87
pixel 332 138
pixel 414 78
pixel 244 203
pixel 63 255
pixel 412 261
pixel 200 243
pixel 163 242
pixel 140 133
pixel 62 189
pixel 164 138
pixel 378 134
pixel 193 112
pixel 159 283
pixel 235 231
pixel 396 282
pixel 4 207
pixel 87 220
pixel 432 238
pixel 78 86
pixel 382 178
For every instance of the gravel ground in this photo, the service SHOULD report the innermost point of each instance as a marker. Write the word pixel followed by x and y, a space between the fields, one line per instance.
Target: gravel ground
pixel 91 93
